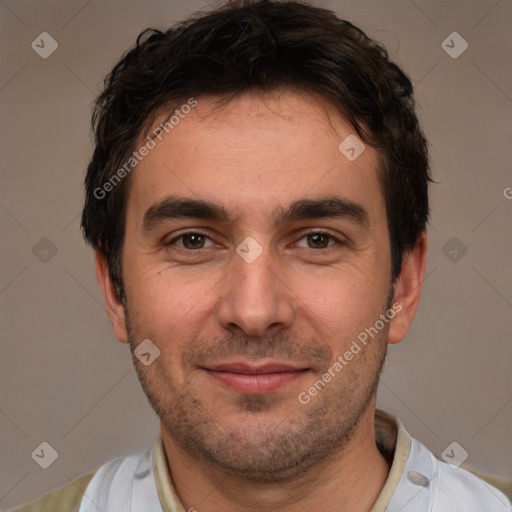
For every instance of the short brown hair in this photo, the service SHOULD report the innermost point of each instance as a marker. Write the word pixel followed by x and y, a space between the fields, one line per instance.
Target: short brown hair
pixel 260 45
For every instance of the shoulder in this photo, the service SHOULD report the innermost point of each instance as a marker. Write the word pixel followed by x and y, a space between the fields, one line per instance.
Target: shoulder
pixel 458 488
pixel 64 499
pixel 454 488
pixel 420 481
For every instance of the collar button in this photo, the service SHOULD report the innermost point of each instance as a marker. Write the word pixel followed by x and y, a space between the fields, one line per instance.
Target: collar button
pixel 417 478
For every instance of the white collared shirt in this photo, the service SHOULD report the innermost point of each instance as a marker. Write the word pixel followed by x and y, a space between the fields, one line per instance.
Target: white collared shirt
pixel 417 482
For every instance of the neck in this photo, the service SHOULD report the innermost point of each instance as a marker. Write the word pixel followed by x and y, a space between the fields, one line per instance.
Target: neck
pixel 351 479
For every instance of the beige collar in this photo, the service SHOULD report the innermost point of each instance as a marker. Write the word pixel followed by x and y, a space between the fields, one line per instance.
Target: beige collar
pixel 391 437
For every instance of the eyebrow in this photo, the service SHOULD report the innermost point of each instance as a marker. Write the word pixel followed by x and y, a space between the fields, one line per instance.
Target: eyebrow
pixel 325 208
pixel 176 207
pixel 334 207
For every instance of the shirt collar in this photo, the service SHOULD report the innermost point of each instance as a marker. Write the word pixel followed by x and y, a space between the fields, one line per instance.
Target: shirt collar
pixel 392 440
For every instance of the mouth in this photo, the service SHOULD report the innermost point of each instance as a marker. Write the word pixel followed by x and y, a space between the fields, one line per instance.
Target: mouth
pixel 254 377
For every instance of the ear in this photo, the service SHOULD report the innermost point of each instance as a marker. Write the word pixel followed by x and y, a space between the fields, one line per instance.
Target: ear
pixel 115 308
pixel 408 289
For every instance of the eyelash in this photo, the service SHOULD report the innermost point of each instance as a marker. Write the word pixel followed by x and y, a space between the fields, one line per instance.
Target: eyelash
pixel 200 233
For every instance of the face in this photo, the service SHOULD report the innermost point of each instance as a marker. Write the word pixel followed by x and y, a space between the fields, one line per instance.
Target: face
pixel 255 255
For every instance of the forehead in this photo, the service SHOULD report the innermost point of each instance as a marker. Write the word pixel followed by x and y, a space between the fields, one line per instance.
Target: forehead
pixel 256 152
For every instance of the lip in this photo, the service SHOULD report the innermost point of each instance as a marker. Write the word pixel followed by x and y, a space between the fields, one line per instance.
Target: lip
pixel 253 377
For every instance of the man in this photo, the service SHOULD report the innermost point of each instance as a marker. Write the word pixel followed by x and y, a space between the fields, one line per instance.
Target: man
pixel 257 201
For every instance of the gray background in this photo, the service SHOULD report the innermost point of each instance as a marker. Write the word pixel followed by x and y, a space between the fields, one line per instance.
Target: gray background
pixel 66 380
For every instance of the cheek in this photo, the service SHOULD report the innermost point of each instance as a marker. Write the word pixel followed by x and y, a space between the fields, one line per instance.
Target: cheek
pixel 170 306
pixel 339 306
pixel 156 288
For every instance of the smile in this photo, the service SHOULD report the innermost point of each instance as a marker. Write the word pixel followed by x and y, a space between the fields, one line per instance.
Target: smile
pixel 247 378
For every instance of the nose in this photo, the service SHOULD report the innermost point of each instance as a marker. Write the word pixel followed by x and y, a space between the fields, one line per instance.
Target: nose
pixel 255 298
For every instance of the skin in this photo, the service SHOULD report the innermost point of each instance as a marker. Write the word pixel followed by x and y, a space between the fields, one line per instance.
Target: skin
pixel 302 301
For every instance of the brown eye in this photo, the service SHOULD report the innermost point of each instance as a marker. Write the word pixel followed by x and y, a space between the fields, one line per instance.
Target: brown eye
pixel 318 240
pixel 191 240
